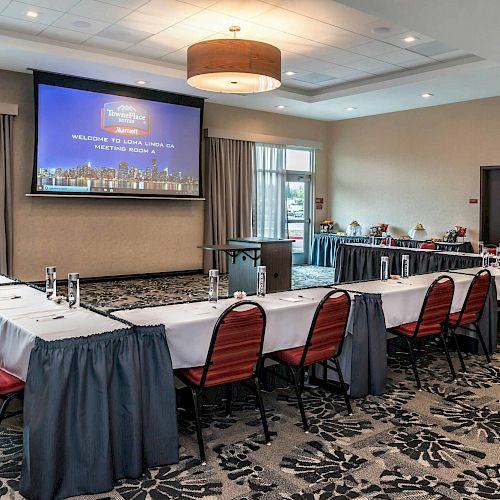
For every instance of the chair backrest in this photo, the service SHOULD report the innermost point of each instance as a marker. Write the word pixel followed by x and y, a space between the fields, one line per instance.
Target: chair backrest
pixel 328 327
pixel 437 304
pixel 476 295
pixel 235 350
pixel 384 242
pixel 428 245
pixel 491 249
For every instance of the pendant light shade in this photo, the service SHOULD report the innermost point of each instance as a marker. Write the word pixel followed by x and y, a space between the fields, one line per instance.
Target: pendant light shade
pixel 234 66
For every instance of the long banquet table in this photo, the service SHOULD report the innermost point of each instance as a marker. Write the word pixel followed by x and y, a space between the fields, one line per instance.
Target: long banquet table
pixel 361 261
pixel 325 246
pixel 99 401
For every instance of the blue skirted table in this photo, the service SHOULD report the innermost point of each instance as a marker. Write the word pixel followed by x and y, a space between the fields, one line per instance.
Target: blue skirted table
pixel 325 246
pixel 362 262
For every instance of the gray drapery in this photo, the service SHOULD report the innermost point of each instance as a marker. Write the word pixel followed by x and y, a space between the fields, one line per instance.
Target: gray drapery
pixel 97 409
pixel 6 194
pixel 228 192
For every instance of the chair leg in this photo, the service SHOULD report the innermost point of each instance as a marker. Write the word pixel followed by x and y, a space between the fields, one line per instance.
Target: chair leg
pixel 483 343
pixel 262 410
pixel 344 388
pixel 296 384
pixel 413 364
pixel 443 340
pixel 5 404
pixel 197 416
pixel 459 352
pixel 229 397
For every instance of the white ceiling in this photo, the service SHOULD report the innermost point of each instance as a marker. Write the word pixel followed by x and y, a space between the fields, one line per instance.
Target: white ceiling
pixel 340 58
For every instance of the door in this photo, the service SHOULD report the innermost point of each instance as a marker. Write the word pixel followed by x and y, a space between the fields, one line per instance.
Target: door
pixel 298 204
pixel 490 205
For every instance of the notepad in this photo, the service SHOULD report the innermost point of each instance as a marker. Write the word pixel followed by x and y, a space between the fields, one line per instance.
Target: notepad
pixel 291 299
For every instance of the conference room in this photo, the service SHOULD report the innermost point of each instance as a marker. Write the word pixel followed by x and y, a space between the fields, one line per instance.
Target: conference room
pixel 249 249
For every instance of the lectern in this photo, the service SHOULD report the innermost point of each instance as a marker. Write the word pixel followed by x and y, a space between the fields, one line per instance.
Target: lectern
pixel 274 253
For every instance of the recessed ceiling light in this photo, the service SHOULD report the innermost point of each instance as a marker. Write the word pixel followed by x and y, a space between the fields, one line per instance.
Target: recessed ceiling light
pixel 290 73
pixel 410 39
pixel 32 13
pixel 280 106
pixel 426 94
pixel 350 108
pixel 81 24
pixel 141 82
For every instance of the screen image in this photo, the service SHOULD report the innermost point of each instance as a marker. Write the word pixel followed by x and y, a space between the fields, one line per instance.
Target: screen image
pixel 97 143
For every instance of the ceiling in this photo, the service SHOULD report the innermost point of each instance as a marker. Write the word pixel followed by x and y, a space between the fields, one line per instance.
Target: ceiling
pixel 344 54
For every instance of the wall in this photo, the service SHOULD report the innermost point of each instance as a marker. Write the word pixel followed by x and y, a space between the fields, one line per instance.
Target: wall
pixel 110 237
pixel 413 166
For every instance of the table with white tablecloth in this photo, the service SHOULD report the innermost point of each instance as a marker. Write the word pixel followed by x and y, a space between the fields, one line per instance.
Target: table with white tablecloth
pixel 189 328
pixel 495 272
pixel 98 392
pixel 357 262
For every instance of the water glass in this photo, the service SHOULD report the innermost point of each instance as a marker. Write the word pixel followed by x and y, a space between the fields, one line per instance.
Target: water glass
pixel 74 290
pixel 50 282
pixel 213 285
pixel 384 268
pixel 405 266
pixel 261 281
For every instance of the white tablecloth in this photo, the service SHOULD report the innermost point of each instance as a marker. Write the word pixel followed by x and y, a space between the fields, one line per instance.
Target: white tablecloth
pixel 189 326
pixel 30 316
pixel 4 279
pixel 495 271
pixel 402 299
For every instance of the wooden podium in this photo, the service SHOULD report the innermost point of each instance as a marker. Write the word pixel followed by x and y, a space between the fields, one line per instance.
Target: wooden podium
pixel 275 254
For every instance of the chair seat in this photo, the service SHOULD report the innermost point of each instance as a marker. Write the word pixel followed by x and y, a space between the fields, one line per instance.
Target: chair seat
pixel 9 384
pixel 467 319
pixel 294 355
pixel 408 329
pixel 193 375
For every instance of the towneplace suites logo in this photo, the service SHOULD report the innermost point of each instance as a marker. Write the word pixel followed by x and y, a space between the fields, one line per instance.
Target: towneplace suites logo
pixel 122 118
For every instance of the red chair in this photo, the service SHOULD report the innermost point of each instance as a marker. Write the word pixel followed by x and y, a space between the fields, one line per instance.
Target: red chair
pixel 10 387
pixel 384 242
pixel 491 249
pixel 432 320
pixel 472 311
pixel 428 245
pixel 234 355
pixel 324 342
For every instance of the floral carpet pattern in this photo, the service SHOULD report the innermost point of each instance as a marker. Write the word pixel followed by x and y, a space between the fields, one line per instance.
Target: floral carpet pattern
pixel 439 443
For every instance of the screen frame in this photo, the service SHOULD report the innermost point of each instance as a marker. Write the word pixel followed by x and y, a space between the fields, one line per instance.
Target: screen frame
pixel 119 89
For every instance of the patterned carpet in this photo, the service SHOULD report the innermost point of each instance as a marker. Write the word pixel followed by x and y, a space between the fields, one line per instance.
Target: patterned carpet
pixel 441 443
pixel 131 293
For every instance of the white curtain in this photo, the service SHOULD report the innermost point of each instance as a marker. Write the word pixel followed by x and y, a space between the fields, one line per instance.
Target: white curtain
pixel 270 191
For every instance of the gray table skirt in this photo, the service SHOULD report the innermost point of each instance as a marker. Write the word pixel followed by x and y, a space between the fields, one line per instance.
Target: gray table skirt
pixel 97 409
pixel 359 263
pixel 325 246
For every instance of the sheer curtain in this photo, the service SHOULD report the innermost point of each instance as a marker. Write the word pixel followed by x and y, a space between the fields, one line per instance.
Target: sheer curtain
pixel 6 194
pixel 270 191
pixel 228 209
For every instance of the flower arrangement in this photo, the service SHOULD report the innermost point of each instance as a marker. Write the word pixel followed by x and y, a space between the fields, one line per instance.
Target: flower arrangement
pixel 239 295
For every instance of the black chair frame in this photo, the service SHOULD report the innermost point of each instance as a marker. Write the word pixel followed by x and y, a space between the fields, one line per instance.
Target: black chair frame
pixel 297 372
pixel 197 391
pixel 475 326
pixel 6 400
pixel 411 340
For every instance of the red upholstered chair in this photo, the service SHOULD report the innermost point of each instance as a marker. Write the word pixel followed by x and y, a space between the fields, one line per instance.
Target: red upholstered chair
pixel 491 249
pixel 428 245
pixel 234 355
pixel 432 320
pixel 384 242
pixel 324 343
pixel 10 387
pixel 472 311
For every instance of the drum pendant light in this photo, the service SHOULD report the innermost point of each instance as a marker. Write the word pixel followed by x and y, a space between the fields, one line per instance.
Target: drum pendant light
pixel 234 66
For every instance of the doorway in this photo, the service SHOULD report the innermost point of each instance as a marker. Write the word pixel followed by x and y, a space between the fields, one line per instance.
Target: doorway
pixel 298 204
pixel 490 205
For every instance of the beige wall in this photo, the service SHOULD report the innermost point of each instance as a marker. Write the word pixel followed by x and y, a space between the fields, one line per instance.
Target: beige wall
pixel 413 166
pixel 109 237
